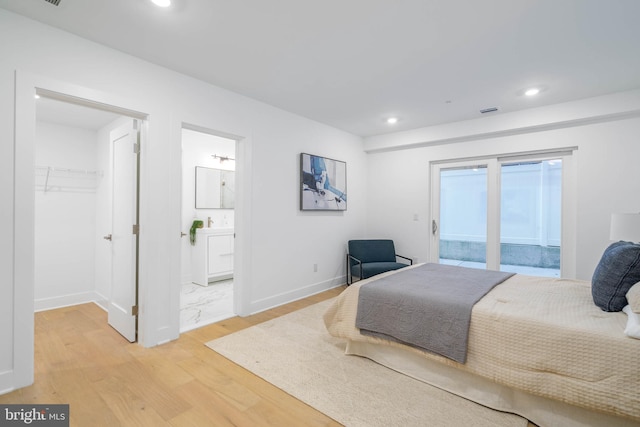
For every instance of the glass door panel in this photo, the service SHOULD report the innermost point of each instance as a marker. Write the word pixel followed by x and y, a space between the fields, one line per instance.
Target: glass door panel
pixel 463 216
pixel 530 217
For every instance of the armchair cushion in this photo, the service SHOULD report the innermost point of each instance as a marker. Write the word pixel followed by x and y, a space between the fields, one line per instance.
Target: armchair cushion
pixel 372 268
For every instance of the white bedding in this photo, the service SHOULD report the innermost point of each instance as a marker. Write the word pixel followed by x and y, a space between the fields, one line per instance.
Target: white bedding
pixel 633 323
pixel 541 336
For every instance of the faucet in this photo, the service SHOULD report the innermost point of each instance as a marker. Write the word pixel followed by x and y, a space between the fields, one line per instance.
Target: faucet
pixel 209 222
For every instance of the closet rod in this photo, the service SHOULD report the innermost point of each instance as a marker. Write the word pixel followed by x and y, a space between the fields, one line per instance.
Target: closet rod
pixel 68 170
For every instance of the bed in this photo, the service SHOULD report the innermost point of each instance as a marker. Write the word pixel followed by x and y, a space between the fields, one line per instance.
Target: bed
pixel 537 347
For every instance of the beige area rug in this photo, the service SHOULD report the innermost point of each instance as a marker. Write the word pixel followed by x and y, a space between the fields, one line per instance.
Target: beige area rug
pixel 296 353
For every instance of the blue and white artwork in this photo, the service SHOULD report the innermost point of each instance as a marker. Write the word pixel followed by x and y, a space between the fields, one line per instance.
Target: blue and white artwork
pixel 323 183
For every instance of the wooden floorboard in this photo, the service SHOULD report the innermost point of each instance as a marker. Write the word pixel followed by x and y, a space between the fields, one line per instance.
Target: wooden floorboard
pixel 107 381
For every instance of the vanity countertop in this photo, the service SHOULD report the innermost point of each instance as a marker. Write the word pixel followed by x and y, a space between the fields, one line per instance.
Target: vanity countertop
pixel 214 230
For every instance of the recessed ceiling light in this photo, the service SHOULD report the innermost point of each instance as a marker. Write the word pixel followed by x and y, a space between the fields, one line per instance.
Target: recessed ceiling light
pixel 532 91
pixel 162 3
pixel 36 96
pixel 392 120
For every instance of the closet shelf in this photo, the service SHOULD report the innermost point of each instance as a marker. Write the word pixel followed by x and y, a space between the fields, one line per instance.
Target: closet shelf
pixel 66 179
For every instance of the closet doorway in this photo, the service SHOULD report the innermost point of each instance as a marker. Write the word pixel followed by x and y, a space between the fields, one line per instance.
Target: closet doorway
pixel 208 228
pixel 86 176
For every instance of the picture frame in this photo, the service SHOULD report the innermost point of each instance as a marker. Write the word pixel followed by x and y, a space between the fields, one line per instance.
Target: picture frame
pixel 323 183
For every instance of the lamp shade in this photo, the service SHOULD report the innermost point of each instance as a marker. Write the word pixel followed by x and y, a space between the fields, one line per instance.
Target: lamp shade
pixel 625 227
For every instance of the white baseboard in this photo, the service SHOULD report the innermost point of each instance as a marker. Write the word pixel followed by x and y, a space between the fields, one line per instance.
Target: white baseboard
pixel 10 381
pixel 66 300
pixel 6 382
pixel 295 295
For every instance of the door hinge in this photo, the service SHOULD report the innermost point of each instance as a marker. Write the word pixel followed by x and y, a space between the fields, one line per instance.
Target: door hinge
pixel 134 310
pixel 136 229
pixel 136 148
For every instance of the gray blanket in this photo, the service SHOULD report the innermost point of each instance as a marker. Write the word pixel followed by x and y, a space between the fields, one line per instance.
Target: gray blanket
pixel 428 306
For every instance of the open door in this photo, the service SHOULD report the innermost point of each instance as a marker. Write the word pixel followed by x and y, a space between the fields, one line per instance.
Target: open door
pixel 123 303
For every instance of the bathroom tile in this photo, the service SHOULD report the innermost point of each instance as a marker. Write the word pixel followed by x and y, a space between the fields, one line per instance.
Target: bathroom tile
pixel 203 305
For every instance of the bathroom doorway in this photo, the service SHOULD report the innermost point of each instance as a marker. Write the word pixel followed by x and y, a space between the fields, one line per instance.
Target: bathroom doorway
pixel 208 228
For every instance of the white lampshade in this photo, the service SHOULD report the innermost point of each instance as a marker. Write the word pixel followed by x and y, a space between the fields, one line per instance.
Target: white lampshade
pixel 625 227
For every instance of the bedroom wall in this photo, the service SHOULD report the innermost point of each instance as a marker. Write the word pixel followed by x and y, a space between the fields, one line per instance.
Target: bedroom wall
pixel 604 129
pixel 279 243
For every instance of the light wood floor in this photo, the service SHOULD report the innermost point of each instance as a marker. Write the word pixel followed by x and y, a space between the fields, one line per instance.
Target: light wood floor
pixel 81 361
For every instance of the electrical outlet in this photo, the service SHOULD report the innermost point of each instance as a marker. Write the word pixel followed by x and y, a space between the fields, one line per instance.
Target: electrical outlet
pixel 315 268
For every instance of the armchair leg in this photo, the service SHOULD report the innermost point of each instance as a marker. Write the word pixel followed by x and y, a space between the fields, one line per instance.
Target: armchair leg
pixel 347 275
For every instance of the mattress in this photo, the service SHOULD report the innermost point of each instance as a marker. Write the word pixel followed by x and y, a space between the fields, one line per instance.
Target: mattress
pixel 542 336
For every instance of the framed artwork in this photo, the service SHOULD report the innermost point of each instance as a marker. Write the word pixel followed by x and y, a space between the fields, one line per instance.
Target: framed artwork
pixel 323 183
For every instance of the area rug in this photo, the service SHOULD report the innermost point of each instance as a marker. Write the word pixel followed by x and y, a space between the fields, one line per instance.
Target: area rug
pixel 296 354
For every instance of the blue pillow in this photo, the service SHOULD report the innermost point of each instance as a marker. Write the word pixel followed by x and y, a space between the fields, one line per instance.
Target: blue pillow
pixel 617 271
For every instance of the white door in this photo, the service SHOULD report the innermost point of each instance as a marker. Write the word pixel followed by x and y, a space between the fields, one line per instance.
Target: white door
pixel 124 242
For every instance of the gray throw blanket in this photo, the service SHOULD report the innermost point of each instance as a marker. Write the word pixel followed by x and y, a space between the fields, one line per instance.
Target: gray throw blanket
pixel 428 306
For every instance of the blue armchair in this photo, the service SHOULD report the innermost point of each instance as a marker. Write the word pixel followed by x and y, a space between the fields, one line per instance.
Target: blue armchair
pixel 366 258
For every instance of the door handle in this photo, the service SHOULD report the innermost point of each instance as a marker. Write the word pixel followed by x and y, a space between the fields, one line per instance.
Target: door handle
pixel 182 234
pixel 434 226
pixel 108 237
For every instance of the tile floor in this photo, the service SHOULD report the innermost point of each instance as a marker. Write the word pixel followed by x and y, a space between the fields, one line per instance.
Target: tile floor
pixel 203 305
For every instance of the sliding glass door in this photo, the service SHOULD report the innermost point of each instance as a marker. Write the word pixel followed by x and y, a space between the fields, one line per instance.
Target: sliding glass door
pixel 530 217
pixel 463 215
pixel 502 213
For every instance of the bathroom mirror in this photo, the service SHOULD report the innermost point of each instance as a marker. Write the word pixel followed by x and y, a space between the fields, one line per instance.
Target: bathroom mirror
pixel 215 188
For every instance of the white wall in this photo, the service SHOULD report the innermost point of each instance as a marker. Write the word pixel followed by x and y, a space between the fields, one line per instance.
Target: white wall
pixel 197 150
pixel 604 129
pixel 65 215
pixel 277 243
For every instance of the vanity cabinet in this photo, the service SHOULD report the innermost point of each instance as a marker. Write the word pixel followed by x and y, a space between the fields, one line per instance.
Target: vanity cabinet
pixel 212 256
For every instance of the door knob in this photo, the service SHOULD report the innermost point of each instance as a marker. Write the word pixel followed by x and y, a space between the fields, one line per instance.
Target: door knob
pixel 107 237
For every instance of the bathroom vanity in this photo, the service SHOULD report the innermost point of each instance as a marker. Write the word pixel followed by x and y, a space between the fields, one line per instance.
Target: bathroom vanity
pixel 212 256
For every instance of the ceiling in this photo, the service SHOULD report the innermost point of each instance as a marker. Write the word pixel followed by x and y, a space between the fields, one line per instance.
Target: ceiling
pixel 352 64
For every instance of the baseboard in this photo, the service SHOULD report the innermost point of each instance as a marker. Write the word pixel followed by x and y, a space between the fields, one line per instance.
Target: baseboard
pixel 295 295
pixel 6 382
pixel 10 381
pixel 101 301
pixel 66 300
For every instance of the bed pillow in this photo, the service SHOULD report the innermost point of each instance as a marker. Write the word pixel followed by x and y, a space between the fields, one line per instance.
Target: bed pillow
pixel 633 296
pixel 617 271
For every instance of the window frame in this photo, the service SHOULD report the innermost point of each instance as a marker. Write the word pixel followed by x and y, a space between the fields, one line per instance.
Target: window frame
pixel 494 164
